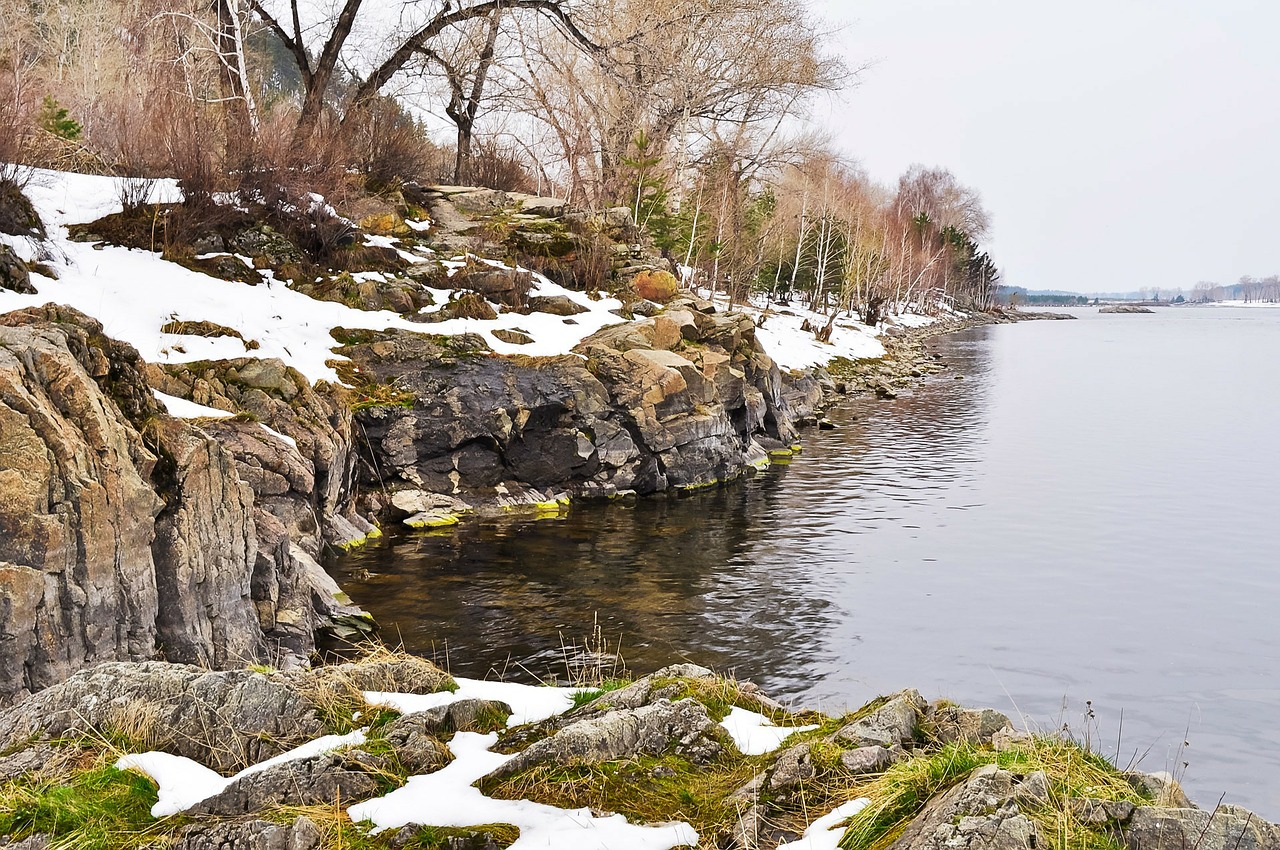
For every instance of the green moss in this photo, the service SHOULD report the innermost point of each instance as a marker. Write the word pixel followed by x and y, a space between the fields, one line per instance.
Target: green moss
pixel 435 521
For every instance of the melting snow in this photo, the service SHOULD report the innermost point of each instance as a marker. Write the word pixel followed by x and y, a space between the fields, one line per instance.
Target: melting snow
pixel 448 798
pixel 824 834
pixel 529 703
pixel 184 409
pixel 755 734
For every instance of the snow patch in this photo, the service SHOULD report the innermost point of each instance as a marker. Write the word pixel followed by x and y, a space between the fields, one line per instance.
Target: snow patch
pixel 824 834
pixel 184 409
pixel 755 734
pixel 529 703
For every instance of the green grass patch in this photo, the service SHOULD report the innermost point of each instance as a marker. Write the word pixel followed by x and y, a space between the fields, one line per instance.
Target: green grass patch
pixel 1072 771
pixel 582 698
pixel 100 808
pixel 644 789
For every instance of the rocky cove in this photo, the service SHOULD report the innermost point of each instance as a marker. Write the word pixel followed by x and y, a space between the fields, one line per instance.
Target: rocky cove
pixel 161 591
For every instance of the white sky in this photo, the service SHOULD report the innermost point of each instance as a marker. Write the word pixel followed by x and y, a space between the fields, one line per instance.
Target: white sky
pixel 1118 143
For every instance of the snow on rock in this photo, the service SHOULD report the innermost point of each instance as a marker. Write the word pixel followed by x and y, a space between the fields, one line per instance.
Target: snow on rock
pixel 184 409
pixel 184 782
pixel 755 734
pixel 448 798
pixel 824 833
pixel 529 703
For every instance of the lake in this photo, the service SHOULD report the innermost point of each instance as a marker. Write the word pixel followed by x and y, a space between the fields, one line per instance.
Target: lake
pixel 1086 523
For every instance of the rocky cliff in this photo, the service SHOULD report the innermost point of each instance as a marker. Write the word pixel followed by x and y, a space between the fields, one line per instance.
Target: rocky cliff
pixel 126 533
pixel 681 400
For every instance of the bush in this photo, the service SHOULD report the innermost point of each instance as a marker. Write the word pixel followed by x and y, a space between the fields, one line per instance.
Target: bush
pixel 56 120
pixel 388 146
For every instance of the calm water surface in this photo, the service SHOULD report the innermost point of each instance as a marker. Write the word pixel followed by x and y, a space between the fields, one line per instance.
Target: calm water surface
pixel 1090 515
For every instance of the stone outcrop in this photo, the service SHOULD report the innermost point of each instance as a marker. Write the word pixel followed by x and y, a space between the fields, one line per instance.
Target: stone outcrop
pixel 302 834
pixel 680 400
pixel 980 813
pixel 226 720
pixel 318 781
pixel 126 534
pixel 683 727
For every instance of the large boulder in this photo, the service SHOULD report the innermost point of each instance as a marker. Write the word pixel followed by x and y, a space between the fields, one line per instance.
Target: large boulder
pixel 892 724
pixel 680 400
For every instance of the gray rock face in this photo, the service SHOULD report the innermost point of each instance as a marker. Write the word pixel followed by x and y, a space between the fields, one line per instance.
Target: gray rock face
pixel 128 535
pixel 205 550
pixel 326 780
pixel 77 511
pixel 1226 828
pixel 683 727
pixel 894 723
pixel 302 834
pixel 975 814
pixel 227 720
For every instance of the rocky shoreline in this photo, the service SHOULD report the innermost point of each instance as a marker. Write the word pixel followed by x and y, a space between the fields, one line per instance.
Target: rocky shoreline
pixel 132 755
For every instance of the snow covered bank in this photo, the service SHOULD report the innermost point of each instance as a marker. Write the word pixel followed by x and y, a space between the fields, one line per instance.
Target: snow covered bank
pixel 135 293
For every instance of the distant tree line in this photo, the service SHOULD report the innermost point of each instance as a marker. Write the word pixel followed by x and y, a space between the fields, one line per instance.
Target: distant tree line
pixel 1247 289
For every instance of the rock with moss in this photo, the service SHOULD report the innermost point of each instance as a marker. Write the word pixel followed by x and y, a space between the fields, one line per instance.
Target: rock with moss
pixel 682 727
pixel 977 814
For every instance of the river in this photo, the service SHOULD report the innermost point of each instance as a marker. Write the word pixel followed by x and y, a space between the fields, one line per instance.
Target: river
pixel 1087 523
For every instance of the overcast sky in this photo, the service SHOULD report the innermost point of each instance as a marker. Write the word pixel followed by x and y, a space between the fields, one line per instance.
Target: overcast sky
pixel 1117 143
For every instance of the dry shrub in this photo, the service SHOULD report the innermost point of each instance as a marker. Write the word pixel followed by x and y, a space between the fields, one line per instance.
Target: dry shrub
pixel 16 127
pixel 496 166
pixel 388 146
pixel 589 268
pixel 297 185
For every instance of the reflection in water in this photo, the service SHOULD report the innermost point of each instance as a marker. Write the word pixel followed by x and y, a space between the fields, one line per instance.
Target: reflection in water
pixel 1085 516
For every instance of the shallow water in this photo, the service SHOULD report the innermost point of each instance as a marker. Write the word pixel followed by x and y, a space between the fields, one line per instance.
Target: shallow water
pixel 1090 515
